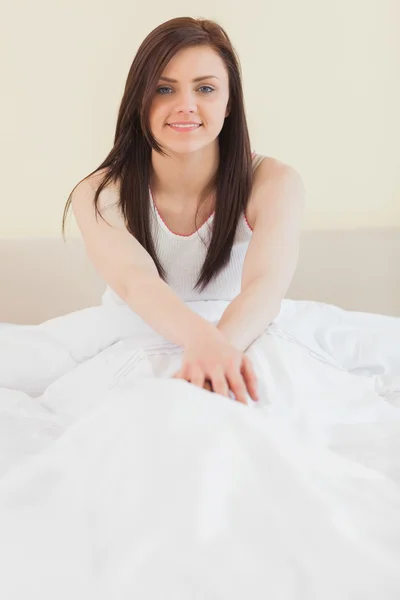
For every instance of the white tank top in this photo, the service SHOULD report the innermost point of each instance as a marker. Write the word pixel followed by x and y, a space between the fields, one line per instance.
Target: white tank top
pixel 182 257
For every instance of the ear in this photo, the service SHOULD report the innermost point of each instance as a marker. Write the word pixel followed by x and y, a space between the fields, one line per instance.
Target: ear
pixel 228 110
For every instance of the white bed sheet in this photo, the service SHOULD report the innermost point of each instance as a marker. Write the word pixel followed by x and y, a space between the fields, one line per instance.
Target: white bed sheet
pixel 119 482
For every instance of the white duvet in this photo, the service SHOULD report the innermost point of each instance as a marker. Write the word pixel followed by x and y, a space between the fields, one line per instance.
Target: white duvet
pixel 117 482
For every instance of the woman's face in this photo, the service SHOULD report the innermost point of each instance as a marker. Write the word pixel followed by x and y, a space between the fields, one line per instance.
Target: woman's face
pixel 184 100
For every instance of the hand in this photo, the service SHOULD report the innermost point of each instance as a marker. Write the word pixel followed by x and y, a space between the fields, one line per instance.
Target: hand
pixel 207 385
pixel 214 364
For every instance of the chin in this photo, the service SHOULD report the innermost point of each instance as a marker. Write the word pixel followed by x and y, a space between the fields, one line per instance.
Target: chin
pixel 184 146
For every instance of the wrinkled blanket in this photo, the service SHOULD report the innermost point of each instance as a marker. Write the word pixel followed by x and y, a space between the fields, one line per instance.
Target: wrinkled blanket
pixel 118 482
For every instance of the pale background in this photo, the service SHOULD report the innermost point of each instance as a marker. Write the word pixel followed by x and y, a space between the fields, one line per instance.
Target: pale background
pixel 322 91
pixel 321 83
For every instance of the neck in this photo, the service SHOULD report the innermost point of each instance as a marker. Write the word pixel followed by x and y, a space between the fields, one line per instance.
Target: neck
pixel 181 177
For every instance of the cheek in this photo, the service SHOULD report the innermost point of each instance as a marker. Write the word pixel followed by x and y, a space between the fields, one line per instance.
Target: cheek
pixel 215 115
pixel 156 117
pixel 157 105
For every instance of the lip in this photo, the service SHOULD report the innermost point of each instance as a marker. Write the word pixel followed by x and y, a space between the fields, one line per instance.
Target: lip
pixel 189 127
pixel 184 123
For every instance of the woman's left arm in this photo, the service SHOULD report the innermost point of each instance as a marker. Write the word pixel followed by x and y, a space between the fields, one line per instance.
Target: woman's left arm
pixel 272 255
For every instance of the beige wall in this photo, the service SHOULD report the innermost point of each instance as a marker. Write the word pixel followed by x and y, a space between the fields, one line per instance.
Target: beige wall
pixel 321 81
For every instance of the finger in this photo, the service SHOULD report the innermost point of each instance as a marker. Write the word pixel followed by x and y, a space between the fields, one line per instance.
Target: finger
pixel 238 387
pixel 207 385
pixel 219 383
pixel 180 375
pixel 250 378
pixel 196 377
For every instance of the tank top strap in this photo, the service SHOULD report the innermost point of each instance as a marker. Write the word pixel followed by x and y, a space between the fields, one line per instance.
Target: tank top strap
pixel 256 159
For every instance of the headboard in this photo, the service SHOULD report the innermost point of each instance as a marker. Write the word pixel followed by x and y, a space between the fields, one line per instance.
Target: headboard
pixel 41 278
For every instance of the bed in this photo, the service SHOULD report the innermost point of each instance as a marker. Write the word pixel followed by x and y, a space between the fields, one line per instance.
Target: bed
pixel 117 481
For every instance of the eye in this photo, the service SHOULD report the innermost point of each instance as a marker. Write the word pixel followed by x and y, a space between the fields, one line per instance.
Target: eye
pixel 164 87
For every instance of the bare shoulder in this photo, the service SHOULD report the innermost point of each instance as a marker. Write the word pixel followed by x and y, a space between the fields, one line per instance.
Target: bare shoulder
pixel 110 193
pixel 272 180
pixel 108 200
pixel 271 168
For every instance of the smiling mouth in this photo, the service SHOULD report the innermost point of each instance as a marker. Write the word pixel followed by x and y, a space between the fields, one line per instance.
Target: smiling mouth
pixel 184 127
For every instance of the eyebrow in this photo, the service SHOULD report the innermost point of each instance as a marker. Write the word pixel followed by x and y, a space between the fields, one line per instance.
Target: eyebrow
pixel 195 79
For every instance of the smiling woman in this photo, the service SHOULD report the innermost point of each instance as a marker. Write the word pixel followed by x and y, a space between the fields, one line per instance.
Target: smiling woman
pixel 191 209
pixel 180 172
pixel 185 171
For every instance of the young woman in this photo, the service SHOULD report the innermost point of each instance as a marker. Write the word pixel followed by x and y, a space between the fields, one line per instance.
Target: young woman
pixel 181 210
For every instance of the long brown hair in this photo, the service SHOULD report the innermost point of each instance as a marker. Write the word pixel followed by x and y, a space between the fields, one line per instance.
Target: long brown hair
pixel 129 161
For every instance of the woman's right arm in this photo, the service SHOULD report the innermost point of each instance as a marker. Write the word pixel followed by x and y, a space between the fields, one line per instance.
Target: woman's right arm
pixel 130 271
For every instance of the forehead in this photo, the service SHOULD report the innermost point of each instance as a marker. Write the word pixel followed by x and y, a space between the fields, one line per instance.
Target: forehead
pixel 195 62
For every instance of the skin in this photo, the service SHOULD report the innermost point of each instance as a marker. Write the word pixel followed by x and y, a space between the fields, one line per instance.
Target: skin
pixel 274 212
pixel 179 178
pixel 193 157
pixel 274 209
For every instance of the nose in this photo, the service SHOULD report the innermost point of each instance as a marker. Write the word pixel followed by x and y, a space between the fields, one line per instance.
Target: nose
pixel 186 101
